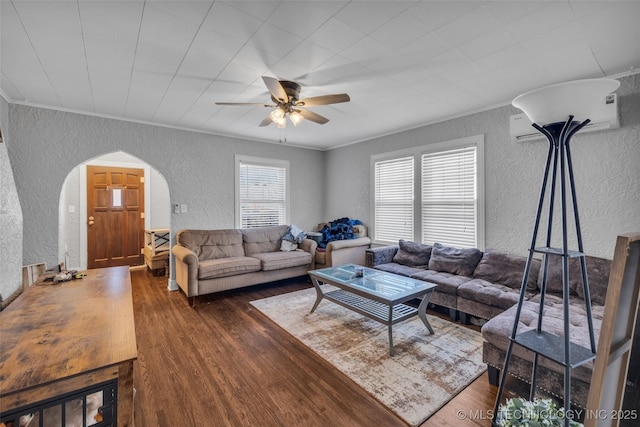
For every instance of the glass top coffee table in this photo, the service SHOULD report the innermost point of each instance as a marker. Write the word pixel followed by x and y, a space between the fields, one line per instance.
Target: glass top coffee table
pixel 373 293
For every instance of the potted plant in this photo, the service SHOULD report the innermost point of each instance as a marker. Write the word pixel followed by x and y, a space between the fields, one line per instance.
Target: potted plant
pixel 525 413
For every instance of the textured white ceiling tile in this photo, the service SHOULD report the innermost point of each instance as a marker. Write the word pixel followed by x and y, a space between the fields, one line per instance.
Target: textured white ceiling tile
pixel 605 28
pixel 466 28
pixel 615 60
pixel 447 61
pixel 20 64
pixel 309 54
pixel 366 50
pixel 180 96
pixel 208 55
pixel 275 40
pixel 298 18
pixel 163 41
pixel 190 11
pixel 554 15
pixel 260 9
pixel 426 47
pixel 366 16
pixel 437 14
pixel 400 30
pixel 334 35
pixel 62 56
pixel 110 42
pixel 488 43
pixel 226 19
pixel 509 11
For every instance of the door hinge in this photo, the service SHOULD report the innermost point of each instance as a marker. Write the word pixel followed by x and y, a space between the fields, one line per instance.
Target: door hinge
pixel 141 251
pixel 142 179
pixel 141 215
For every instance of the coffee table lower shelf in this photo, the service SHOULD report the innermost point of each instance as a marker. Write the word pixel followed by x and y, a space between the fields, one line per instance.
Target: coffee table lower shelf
pixel 373 309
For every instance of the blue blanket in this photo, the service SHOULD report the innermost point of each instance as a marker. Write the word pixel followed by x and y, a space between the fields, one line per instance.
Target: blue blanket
pixel 339 229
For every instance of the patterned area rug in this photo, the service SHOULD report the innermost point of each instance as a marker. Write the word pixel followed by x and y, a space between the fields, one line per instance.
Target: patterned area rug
pixel 426 372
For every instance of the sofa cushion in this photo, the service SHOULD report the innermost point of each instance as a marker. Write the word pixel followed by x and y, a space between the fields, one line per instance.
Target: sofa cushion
pixel 448 283
pixel 279 260
pixel 504 269
pixel 401 269
pixel 412 254
pixel 598 270
pixel 454 260
pixel 263 239
pixel 230 266
pixel 488 293
pixel 212 244
pixel 498 330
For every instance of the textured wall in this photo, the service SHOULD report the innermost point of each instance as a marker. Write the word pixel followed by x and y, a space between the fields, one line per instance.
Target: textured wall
pixel 198 168
pixel 605 164
pixel 10 216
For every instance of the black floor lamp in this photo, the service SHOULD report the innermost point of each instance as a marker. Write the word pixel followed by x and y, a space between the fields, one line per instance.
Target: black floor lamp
pixel 558 112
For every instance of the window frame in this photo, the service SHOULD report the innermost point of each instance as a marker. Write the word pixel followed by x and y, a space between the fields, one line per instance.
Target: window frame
pixel 417 152
pixel 261 161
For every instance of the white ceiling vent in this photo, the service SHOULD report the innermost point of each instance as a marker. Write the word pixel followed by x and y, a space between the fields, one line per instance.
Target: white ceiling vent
pixel 604 117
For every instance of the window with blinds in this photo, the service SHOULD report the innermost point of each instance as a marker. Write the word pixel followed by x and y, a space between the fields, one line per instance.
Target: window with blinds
pixel 261 193
pixel 394 193
pixel 430 194
pixel 449 197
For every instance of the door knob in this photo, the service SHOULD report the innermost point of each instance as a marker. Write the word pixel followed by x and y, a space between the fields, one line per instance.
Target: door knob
pixel 90 222
pixel 90 218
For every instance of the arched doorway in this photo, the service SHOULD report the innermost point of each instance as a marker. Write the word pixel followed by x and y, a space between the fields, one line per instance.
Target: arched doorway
pixel 72 226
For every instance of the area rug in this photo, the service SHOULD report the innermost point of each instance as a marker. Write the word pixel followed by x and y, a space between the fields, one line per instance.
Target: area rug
pixel 426 372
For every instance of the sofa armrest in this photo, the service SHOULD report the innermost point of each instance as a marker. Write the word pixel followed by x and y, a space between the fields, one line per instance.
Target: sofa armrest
pixel 349 243
pixel 340 252
pixel 186 269
pixel 309 245
pixel 380 255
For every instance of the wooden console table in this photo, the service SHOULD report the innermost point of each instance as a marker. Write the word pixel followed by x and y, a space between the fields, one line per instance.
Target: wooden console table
pixel 57 339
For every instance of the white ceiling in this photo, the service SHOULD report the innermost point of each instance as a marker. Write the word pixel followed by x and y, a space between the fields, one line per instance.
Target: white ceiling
pixel 404 63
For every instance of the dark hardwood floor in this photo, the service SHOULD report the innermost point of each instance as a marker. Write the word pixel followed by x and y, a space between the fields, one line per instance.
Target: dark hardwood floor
pixel 223 363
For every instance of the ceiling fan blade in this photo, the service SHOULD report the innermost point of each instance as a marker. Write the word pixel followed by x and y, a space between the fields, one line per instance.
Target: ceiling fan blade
pixel 276 89
pixel 245 104
pixel 314 117
pixel 323 100
pixel 266 122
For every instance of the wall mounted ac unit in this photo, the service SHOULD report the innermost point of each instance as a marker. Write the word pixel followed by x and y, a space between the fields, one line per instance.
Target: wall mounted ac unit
pixel 604 117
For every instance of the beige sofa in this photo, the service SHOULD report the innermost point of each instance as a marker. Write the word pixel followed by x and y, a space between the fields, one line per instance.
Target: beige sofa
pixel 340 252
pixel 210 261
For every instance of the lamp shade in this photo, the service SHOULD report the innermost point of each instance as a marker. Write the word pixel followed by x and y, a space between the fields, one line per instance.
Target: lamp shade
pixel 555 103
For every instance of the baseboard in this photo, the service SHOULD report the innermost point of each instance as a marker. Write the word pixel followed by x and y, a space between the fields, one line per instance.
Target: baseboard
pixel 172 285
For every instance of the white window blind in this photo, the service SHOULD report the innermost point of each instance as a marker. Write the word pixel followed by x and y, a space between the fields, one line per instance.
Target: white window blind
pixel 263 195
pixel 394 199
pixel 449 198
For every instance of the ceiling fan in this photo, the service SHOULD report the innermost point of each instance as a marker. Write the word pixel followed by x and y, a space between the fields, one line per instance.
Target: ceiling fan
pixel 284 94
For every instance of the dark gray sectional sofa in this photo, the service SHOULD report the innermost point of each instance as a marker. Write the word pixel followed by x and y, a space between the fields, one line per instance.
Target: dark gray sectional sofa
pixel 487 285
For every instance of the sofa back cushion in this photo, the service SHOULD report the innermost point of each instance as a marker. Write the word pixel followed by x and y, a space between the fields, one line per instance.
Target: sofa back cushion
pixel 598 270
pixel 453 260
pixel 504 269
pixel 263 239
pixel 412 254
pixel 212 244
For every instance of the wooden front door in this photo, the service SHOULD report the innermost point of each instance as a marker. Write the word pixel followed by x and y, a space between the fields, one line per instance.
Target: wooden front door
pixel 115 216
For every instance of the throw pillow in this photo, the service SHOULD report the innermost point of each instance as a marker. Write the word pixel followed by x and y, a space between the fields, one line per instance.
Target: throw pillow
pixel 412 254
pixel 453 260
pixel 504 269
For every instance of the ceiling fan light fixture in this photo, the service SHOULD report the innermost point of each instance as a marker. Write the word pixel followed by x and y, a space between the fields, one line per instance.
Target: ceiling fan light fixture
pixel 277 115
pixel 296 117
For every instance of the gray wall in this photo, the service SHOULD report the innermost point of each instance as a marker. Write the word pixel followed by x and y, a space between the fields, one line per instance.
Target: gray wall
pixel 606 165
pixel 198 168
pixel 10 215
